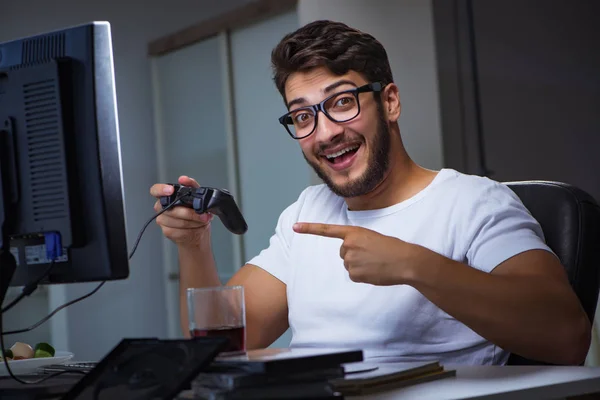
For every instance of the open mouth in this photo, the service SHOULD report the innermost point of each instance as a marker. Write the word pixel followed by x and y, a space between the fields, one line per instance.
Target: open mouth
pixel 342 158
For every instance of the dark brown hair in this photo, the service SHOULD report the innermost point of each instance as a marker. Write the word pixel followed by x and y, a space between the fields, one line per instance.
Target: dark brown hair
pixel 331 44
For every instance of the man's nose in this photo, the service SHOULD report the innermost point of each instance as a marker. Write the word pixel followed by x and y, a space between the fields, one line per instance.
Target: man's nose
pixel 326 129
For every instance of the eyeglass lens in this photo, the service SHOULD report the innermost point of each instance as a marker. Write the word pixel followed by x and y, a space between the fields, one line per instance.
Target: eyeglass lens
pixel 340 108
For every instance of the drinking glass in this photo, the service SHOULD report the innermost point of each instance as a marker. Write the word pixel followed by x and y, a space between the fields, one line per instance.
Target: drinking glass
pixel 218 311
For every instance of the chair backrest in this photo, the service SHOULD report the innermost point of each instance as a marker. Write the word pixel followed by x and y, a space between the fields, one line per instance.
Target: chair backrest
pixel 570 220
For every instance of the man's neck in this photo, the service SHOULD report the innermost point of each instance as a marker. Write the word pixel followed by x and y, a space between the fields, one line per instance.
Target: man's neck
pixel 404 179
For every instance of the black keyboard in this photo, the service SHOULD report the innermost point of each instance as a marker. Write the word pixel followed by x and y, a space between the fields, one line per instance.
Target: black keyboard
pixel 81 366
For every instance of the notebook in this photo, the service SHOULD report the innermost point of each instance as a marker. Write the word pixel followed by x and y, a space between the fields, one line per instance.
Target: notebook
pixel 370 378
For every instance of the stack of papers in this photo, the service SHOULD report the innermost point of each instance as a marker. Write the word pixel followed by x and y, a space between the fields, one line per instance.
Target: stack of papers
pixel 274 374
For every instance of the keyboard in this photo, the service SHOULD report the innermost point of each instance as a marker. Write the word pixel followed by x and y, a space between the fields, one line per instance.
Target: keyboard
pixel 81 366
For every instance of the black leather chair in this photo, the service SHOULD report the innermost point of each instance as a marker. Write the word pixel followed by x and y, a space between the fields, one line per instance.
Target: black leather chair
pixel 570 219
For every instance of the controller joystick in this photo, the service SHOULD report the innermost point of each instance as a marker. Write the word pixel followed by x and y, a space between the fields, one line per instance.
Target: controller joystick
pixel 206 199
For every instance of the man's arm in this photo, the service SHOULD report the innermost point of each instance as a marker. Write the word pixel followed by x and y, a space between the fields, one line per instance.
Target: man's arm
pixel 266 305
pixel 197 269
pixel 265 296
pixel 525 305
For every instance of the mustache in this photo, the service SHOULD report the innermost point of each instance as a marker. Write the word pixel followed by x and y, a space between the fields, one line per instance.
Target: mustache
pixel 323 147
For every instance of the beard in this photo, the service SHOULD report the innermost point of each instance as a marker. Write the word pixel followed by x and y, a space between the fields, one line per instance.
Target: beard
pixel 378 161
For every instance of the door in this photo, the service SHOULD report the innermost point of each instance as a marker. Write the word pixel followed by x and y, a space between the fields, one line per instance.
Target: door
pixel 217 110
pixel 272 169
pixel 194 138
pixel 527 87
pixel 520 90
pixel 539 83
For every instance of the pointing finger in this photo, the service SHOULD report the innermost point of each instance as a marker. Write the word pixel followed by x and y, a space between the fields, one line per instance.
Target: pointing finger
pixel 327 230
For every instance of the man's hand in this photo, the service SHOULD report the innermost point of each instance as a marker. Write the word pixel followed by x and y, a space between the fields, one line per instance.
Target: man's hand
pixel 180 224
pixel 369 257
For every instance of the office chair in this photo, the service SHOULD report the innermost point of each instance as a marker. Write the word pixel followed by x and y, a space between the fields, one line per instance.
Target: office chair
pixel 570 220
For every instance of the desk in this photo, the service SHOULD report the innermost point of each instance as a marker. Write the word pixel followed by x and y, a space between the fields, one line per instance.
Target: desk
pixel 501 382
pixel 478 382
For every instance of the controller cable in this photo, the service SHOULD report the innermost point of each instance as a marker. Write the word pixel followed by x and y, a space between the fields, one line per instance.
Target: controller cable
pixel 30 288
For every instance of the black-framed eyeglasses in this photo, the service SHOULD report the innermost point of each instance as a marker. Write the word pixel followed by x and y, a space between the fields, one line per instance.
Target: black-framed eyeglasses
pixel 339 107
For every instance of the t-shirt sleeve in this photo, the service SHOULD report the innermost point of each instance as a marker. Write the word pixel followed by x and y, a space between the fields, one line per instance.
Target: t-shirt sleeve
pixel 500 227
pixel 275 259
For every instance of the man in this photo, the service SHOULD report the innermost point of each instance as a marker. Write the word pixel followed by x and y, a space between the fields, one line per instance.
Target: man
pixel 404 262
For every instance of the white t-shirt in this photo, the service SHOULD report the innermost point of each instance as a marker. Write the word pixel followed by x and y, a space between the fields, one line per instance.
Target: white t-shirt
pixel 467 218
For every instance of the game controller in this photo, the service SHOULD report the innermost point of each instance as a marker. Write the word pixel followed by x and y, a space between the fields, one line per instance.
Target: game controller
pixel 206 199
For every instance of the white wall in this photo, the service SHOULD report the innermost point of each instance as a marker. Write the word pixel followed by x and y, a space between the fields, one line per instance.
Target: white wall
pixel 133 307
pixel 405 28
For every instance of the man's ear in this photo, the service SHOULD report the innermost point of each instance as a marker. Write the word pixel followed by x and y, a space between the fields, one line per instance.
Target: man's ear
pixel 390 97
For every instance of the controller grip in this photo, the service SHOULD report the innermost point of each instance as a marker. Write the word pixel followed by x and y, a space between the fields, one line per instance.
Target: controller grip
pixel 223 206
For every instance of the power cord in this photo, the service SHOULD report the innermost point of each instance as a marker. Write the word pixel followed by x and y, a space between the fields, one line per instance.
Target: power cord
pixel 27 290
pixel 53 251
pixel 6 363
pixel 139 237
pixel 33 286
pixel 57 309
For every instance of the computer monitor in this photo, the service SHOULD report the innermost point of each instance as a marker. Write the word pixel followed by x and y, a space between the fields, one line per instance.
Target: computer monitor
pixel 60 157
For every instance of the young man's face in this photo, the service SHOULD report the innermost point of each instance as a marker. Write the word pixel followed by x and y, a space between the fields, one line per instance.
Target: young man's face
pixel 351 157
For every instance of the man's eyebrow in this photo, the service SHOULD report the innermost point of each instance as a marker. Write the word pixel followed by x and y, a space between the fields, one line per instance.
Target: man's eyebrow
pixel 337 84
pixel 328 89
pixel 299 100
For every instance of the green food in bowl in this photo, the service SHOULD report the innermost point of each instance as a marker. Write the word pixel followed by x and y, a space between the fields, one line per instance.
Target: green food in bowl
pixel 43 350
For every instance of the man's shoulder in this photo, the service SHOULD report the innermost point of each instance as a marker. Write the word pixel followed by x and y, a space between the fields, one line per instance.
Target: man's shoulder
pixel 470 186
pixel 475 198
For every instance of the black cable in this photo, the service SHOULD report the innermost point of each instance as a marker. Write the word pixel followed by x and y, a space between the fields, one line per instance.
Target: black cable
pixel 16 378
pixel 40 322
pixel 137 241
pixel 13 303
pixel 30 288
pixel 47 317
pixel 33 327
pixel 98 287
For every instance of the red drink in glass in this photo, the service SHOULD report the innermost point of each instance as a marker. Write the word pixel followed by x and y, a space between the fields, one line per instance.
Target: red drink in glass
pixel 218 311
pixel 235 334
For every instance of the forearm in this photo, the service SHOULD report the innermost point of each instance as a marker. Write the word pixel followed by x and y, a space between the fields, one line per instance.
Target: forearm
pixel 528 315
pixel 197 269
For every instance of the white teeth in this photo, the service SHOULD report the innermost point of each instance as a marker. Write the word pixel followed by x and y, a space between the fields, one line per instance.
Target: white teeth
pixel 339 153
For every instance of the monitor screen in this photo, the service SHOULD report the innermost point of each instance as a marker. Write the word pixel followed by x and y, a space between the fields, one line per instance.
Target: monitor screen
pixel 60 156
